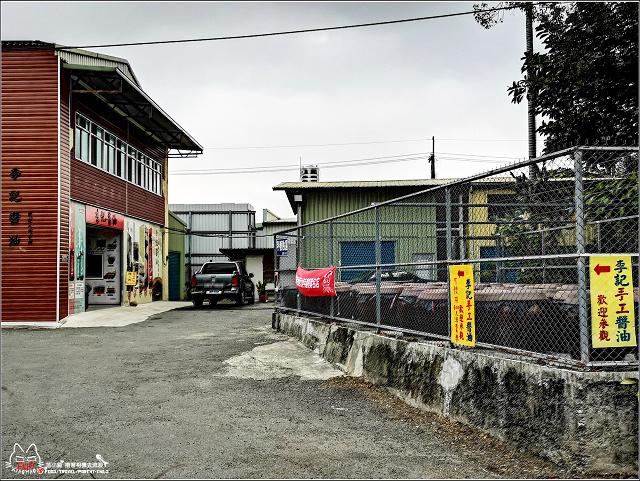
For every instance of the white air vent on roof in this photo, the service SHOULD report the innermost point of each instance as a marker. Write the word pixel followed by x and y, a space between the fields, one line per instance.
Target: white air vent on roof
pixel 309 173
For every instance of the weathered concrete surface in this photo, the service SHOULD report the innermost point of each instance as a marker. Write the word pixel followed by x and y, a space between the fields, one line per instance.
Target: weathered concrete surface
pixel 216 393
pixel 583 420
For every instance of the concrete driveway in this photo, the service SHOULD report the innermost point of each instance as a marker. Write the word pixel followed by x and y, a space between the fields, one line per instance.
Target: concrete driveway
pixel 110 316
pixel 215 393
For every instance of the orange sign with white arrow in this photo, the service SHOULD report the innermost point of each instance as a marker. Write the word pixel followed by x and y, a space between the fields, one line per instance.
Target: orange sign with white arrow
pixel 612 311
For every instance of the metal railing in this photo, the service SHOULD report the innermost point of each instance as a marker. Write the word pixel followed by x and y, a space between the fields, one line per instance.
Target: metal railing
pixel 529 231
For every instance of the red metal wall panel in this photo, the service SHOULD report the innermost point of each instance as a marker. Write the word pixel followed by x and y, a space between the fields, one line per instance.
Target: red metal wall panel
pixel 65 172
pixel 97 187
pixel 29 131
pixel 94 186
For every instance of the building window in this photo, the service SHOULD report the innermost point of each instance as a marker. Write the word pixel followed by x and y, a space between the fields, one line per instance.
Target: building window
pixel 356 253
pixel 102 149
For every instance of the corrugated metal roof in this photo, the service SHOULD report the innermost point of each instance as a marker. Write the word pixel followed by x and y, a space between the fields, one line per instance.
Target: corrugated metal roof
pixel 75 55
pixel 360 184
pixel 93 59
pixel 111 81
pixel 211 207
pixel 177 219
pixel 109 85
pixel 368 184
pixel 288 220
pixel 364 193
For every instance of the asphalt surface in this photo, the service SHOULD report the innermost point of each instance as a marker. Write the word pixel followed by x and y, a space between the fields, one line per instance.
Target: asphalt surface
pixel 209 393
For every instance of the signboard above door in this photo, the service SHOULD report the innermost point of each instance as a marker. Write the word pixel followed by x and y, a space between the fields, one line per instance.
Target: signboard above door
pixel 104 218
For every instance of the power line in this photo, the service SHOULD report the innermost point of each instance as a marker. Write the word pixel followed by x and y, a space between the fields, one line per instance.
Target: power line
pixel 326 165
pixel 476 155
pixel 351 163
pixel 360 143
pixel 290 32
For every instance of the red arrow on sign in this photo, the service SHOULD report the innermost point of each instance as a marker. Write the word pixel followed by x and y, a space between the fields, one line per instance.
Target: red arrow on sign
pixel 460 273
pixel 598 269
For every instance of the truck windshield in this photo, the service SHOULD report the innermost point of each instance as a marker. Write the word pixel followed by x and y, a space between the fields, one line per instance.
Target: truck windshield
pixel 219 269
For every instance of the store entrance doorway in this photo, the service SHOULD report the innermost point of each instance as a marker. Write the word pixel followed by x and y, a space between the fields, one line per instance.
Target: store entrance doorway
pixel 103 272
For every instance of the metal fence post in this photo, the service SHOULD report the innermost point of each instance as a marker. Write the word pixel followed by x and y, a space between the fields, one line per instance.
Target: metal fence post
pixel 299 257
pixel 276 271
pixel 189 229
pixel 449 234
pixel 462 249
pixel 544 263
pixel 580 250
pixel 331 309
pixel 500 267
pixel 449 241
pixel 378 262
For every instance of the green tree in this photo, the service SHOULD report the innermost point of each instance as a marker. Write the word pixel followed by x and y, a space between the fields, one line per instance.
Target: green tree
pixel 536 227
pixel 585 82
pixel 584 85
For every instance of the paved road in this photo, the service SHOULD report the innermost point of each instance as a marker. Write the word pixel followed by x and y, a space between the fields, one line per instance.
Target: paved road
pixel 216 393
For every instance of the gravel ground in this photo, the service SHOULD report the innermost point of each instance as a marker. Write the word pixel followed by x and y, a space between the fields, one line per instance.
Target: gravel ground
pixel 216 393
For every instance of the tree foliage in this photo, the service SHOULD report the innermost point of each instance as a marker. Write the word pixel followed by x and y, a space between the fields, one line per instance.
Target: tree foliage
pixel 585 86
pixel 536 227
pixel 585 82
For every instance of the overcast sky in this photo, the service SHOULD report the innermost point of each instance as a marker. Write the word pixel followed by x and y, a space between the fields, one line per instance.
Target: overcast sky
pixel 360 103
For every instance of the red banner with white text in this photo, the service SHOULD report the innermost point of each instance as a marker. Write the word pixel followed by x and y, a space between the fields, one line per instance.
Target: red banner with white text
pixel 316 283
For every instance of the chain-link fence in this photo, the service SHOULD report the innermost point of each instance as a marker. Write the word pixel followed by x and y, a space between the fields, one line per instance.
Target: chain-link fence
pixel 552 244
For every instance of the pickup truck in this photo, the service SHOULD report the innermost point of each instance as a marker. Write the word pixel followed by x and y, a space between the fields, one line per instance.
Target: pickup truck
pixel 222 280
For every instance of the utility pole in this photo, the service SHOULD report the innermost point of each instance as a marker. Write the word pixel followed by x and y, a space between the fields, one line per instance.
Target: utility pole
pixel 531 101
pixel 432 158
pixel 488 19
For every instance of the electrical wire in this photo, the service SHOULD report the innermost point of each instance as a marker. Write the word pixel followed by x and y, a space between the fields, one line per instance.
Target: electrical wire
pixel 331 164
pixel 290 32
pixel 361 143
pixel 353 163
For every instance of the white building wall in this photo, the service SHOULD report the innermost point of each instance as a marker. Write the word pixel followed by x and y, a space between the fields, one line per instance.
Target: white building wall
pixel 254 266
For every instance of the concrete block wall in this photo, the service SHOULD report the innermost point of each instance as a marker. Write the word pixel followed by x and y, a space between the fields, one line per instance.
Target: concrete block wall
pixel 584 420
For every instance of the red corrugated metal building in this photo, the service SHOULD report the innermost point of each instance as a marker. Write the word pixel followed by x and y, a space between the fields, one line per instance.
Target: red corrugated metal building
pixel 84 184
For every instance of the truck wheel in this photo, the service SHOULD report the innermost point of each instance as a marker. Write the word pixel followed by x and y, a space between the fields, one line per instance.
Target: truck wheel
pixel 197 302
pixel 240 300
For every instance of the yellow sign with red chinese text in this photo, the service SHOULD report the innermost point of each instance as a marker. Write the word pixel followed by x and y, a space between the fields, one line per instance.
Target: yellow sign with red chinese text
pixel 612 311
pixel 463 310
pixel 131 279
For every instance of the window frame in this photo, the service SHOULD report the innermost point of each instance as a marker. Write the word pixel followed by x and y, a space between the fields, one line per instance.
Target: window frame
pixel 97 146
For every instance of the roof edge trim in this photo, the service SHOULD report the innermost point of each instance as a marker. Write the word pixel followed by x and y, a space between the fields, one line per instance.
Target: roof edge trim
pixel 128 81
pixel 92 68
